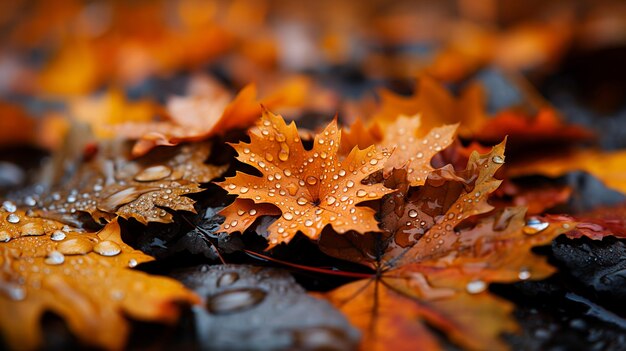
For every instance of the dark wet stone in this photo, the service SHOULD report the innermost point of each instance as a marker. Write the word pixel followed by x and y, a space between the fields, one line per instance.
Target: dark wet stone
pixel 262 309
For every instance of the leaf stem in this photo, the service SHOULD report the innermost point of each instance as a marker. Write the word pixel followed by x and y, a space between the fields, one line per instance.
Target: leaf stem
pixel 308 268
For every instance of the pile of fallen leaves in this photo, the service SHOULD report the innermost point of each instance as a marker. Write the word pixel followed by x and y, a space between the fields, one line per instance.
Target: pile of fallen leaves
pixel 412 220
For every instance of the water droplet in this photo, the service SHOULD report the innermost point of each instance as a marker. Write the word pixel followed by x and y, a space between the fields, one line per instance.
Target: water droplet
pixel 283 155
pixel 269 157
pixel 308 223
pixel 227 279
pixel 107 248
pixel 534 226
pixel 330 200
pixel 123 197
pixel 361 193
pixel 252 212
pixel 524 274
pixel 9 206
pixel 497 159
pixel 58 235
pixel 5 236
pixel 288 216
pixel 13 218
pixel 235 300
pixel 311 180
pixel 132 263
pixel 373 161
pixel 413 213
pixel 13 291
pixel 75 246
pixel 55 258
pixel 153 173
pixel 243 190
pixel 32 229
pixel 30 201
pixel 301 201
pixel 476 286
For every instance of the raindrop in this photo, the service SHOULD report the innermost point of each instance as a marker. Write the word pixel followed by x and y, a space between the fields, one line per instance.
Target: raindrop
pixel 498 159
pixel 30 201
pixel 361 193
pixel 227 279
pixel 308 223
pixel 13 291
pixel 58 235
pixel 75 246
pixel 132 263
pixel 153 173
pixel 9 206
pixel 534 226
pixel 524 274
pixel 288 216
pixel 5 236
pixel 55 258
pixel 311 180
pixel 301 201
pixel 476 286
pixel 252 212
pixel 330 200
pixel 412 213
pixel 13 218
pixel 235 300
pixel 107 248
pixel 243 190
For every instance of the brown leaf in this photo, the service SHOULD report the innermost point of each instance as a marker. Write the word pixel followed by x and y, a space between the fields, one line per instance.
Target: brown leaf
pixel 82 277
pixel 312 188
pixel 112 184
pixel 210 112
pixel 608 167
pixel 433 267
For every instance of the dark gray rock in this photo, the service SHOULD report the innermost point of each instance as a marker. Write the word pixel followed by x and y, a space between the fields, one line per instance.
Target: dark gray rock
pixel 257 308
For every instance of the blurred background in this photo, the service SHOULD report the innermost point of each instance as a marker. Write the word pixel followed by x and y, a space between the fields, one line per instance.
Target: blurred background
pixel 100 63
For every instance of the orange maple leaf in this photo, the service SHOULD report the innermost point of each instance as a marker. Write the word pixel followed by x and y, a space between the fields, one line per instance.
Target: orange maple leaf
pixel 210 113
pixel 402 136
pixel 312 188
pixel 85 278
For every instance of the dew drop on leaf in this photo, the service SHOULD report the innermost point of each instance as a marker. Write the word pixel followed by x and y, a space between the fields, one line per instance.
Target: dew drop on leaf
pixel 55 258
pixel 476 286
pixel 534 226
pixel 107 248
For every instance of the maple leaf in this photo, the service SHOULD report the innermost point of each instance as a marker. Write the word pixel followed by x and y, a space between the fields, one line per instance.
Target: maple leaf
pixel 608 167
pixel 312 188
pixel 401 136
pixel 143 188
pixel 437 106
pixel 85 278
pixel 110 108
pixel 210 112
pixel 434 270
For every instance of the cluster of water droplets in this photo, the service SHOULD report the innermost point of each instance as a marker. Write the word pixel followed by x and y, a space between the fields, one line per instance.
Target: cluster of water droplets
pixel 313 186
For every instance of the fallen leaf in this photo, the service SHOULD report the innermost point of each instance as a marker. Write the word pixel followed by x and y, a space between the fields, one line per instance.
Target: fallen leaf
pixel 433 271
pixel 82 277
pixel 312 188
pixel 608 167
pixel 401 137
pixel 111 108
pixel 145 188
pixel 210 112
